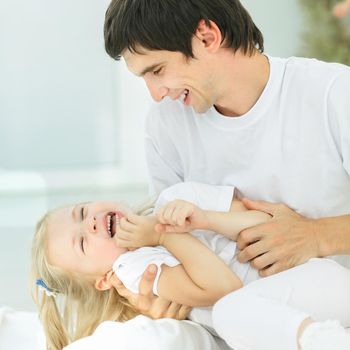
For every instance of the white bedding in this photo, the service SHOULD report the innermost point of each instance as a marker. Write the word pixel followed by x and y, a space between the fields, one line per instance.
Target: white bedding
pixel 23 331
pixel 142 333
pixel 20 330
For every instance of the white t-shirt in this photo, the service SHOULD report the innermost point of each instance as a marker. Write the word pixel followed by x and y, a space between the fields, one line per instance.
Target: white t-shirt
pixel 292 147
pixel 130 266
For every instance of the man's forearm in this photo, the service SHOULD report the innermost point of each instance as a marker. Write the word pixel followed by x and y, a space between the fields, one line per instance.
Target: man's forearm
pixel 333 235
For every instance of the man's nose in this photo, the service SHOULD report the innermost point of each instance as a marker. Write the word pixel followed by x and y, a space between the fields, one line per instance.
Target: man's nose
pixel 157 92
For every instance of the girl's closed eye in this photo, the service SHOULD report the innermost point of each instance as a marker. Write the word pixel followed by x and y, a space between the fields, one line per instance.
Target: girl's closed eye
pixel 82 213
pixel 82 244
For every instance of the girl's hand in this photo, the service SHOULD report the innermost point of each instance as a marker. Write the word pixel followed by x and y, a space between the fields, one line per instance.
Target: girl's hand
pixel 180 216
pixel 137 231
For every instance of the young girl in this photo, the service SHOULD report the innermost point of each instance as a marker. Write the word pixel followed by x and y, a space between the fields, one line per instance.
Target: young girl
pixel 75 248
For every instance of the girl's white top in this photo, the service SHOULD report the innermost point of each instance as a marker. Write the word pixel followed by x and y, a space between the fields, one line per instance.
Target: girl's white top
pixel 130 266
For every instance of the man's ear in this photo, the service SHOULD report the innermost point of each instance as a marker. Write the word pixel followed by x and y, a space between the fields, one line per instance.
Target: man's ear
pixel 209 35
pixel 104 282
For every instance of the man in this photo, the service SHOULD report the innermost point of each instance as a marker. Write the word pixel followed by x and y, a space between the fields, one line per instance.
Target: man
pixel 277 129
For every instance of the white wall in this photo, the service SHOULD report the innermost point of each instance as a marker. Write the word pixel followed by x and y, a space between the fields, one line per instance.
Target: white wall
pixel 280 22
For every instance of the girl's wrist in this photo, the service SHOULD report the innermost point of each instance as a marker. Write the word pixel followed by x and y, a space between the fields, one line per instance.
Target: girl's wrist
pixel 161 238
pixel 207 221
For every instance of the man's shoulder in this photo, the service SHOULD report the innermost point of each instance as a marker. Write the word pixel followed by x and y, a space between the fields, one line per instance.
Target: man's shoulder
pixel 315 67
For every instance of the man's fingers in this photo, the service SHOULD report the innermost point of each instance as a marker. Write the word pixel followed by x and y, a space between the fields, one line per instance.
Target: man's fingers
pixel 252 251
pixel 247 237
pixel 119 286
pixel 263 261
pixel 266 207
pixel 147 280
pixel 172 310
pixel 271 270
pixel 183 312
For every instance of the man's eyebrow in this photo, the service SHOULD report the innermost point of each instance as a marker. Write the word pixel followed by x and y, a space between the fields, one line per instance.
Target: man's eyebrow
pixel 150 69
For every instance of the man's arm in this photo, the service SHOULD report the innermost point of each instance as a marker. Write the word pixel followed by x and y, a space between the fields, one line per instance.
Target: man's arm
pixel 289 239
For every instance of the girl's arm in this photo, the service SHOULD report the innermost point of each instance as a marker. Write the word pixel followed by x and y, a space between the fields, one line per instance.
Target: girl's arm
pixel 230 224
pixel 183 216
pixel 201 280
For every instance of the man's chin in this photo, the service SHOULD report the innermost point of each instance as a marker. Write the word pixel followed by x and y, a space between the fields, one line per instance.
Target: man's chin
pixel 201 109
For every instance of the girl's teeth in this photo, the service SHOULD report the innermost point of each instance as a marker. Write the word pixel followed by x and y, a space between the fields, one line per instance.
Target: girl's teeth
pixel 109 223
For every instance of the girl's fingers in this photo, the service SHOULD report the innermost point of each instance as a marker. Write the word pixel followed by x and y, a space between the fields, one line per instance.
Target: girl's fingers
pixel 126 225
pixel 160 215
pixel 168 214
pixel 179 216
pixel 122 243
pixel 122 234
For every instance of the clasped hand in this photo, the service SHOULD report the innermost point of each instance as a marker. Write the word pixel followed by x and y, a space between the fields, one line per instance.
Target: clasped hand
pixel 135 231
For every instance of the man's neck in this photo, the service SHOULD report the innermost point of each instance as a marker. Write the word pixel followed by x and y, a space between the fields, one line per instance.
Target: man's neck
pixel 244 79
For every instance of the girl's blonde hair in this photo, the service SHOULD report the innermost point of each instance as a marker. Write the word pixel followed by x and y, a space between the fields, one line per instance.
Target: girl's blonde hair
pixel 83 307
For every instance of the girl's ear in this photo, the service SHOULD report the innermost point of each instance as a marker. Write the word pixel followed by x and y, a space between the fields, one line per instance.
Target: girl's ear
pixel 104 282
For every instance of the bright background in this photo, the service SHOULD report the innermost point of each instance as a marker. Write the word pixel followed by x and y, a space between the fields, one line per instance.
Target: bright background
pixel 71 119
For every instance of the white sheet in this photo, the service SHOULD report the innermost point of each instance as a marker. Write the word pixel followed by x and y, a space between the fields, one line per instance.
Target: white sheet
pixel 142 333
pixel 20 330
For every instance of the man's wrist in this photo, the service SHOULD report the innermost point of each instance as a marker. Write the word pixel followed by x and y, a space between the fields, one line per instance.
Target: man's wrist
pixel 333 235
pixel 319 229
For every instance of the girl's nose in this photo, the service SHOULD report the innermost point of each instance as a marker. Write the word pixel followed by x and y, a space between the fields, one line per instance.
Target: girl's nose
pixel 89 224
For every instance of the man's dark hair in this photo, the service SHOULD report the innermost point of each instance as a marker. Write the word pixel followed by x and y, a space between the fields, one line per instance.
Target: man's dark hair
pixel 170 25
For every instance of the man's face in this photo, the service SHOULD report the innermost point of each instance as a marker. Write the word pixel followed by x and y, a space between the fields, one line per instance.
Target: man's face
pixel 167 73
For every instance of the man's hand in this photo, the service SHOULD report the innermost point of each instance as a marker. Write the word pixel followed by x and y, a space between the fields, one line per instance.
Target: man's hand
pixel 286 240
pixel 180 216
pixel 137 231
pixel 146 302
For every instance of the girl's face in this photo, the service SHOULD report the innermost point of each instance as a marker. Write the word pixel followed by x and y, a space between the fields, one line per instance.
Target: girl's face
pixel 81 238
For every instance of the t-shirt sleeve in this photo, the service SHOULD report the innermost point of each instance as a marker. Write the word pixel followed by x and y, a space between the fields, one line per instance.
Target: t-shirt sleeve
pixel 207 197
pixel 339 116
pixel 129 267
pixel 163 160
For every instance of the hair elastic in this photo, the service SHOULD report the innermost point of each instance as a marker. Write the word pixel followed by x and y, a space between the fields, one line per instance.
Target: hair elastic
pixel 48 291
